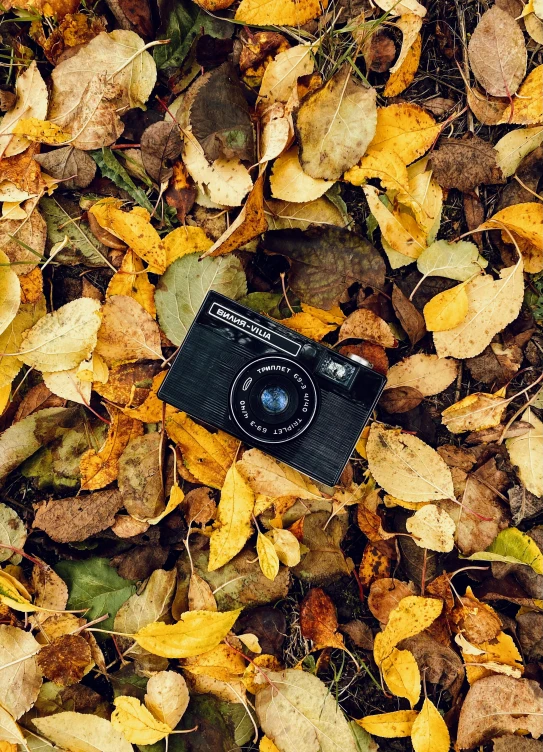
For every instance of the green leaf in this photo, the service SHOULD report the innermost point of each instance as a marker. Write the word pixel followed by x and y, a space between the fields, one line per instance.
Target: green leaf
pixel 184 22
pixel 515 547
pixel 186 282
pixel 62 218
pixel 364 741
pixel 269 303
pixel 95 585
pixel 111 168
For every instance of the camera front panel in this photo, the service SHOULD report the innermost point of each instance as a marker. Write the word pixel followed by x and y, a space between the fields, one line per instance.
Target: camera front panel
pixel 226 341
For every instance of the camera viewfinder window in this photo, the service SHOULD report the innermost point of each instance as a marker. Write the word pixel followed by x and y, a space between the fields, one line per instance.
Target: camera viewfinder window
pixel 335 370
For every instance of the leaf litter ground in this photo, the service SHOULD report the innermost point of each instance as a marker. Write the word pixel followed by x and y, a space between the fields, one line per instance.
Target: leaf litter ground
pixel 101 571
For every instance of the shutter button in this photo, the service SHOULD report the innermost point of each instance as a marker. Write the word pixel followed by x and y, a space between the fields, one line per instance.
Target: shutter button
pixel 358 359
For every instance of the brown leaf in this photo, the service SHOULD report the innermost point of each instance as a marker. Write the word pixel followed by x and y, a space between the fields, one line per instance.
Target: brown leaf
pixel 477 621
pixel 23 170
pixel 199 505
pixel 497 53
pixel 523 504
pixel 268 624
pixel 78 517
pixel 487 435
pixel 74 167
pixel 212 51
pixel 359 632
pixel 438 663
pixel 497 705
pixel 105 237
pixel 385 594
pixel 495 365
pixel 510 743
pixel 325 560
pixel 410 318
pixel 134 15
pixel 140 478
pixel 129 384
pixel 379 51
pixel 375 565
pixel 400 399
pixel 530 629
pixel 529 172
pixel 65 659
pixel 318 620
pixel 373 353
pixel 475 215
pixel 465 163
pixel 488 110
pixel 37 398
pixel 181 192
pixel 364 324
pixel 439 106
pixel 127 332
pixel 140 562
pixel 161 143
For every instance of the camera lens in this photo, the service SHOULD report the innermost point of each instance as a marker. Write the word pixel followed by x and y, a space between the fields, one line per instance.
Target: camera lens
pixel 274 399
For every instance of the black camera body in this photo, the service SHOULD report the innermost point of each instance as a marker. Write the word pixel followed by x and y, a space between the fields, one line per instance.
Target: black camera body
pixel 272 388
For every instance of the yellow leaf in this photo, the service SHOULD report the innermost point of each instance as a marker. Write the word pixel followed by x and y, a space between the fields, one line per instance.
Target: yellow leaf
pixel 152 408
pixel 407 240
pixel 386 165
pixel 31 286
pixel 362 442
pixel 390 725
pixel 15 595
pixel 314 323
pixel 10 292
pixel 134 229
pixel 176 497
pixel 251 641
pixel 136 723
pixel 403 77
pixel 267 557
pixel 430 732
pixel 266 745
pixel 513 546
pixel 98 469
pixel 223 663
pixel 208 456
pixel 41 131
pixel 427 373
pixel 131 280
pixel 289 182
pixel 196 632
pixel 286 545
pixel 425 200
pixel 447 309
pixel 525 452
pixel 401 674
pixel 412 615
pixel 282 73
pixel 226 181
pixel 185 240
pixel 234 515
pixel 528 102
pixel 432 528
pixel 406 129
pixel 32 96
pixel 274 479
pixel 280 12
pixel 525 222
pixel 497 653
pixel 515 145
pixel 402 7
pixel 475 412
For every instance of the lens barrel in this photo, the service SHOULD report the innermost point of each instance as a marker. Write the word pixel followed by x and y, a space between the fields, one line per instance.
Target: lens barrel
pixel 273 399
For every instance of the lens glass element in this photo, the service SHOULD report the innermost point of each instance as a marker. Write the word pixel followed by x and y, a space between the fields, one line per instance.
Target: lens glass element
pixel 274 400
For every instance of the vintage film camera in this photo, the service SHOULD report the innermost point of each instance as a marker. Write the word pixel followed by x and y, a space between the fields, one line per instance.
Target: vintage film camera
pixel 272 388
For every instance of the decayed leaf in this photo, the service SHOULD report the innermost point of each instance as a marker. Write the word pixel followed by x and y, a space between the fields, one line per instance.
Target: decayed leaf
pixel 160 144
pixel 140 477
pixel 525 453
pixel 208 456
pixel 200 596
pixel 196 632
pixel 299 714
pixel 234 516
pixel 465 163
pixel 151 604
pixel 409 317
pixel 515 145
pixel 393 725
pixel 12 533
pixel 74 167
pixel 128 332
pixel 475 412
pixel 283 13
pixel 77 518
pixel 499 656
pixel 64 338
pixel 226 181
pixel 282 73
pixel 432 528
pixel 458 261
pixel 185 284
pixel 100 468
pixel 290 182
pixel 406 467
pixel 429 732
pixel 427 373
pixel 401 674
pixel 492 304
pixel 335 125
pixel 499 705
pixel 365 324
pixel 136 723
pixel 497 53
pixel 318 620
pixel 167 697
pixel 406 129
pixel 65 659
pixel 81 732
pixel 31 101
pixel 21 681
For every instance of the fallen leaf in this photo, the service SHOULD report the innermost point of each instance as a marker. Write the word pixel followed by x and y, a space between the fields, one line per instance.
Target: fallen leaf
pixel 409 241
pixel 528 107
pixel 290 182
pixel 514 546
pixel 412 615
pixel 409 317
pixel 325 262
pixel 183 287
pixel 315 323
pixel 80 732
pixel 427 373
pixel 160 145
pixel 267 557
pixel 20 682
pixel 475 412
pixel 318 620
pixel 393 725
pixel 151 604
pixel 167 697
pixel 525 221
pixel 385 165
pixel 11 732
pixel 82 246
pixel 403 7
pixel 401 674
pixel 140 476
pixel 12 533
pixel 477 621
pixel 492 304
pixel 208 455
pixel 406 467
pixel 132 281
pixel 515 145
pixel 196 632
pixel 447 310
pixel 523 451
pixel 79 517
pixel 429 732
pixel 31 101
pixel 499 656
pixel 200 596
pixel 298 714
pixel 136 724
pixel 499 705
pixel 283 13
pixel 465 164
pixel 497 53
pixel 268 477
pixel 437 662
pixel 226 181
pixel 326 121
pixel 365 324
pixel 432 528
pixel 31 286
pixel 65 659
pixel 403 76
pixel 218 672
pixel 287 546
pixel 234 515
pixel 127 332
pixel 459 261
pixel 283 71
pixel 406 129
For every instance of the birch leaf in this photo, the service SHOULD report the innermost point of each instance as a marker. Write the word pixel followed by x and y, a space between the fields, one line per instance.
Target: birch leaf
pixel 234 515
pixel 136 723
pixel 406 467
pixel 430 732
pixel 167 697
pixel 82 732
pixel 31 101
pixel 393 725
pixel 525 452
pixel 458 261
pixel 267 557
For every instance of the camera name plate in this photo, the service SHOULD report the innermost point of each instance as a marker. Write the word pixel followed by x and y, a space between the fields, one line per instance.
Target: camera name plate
pixel 258 331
